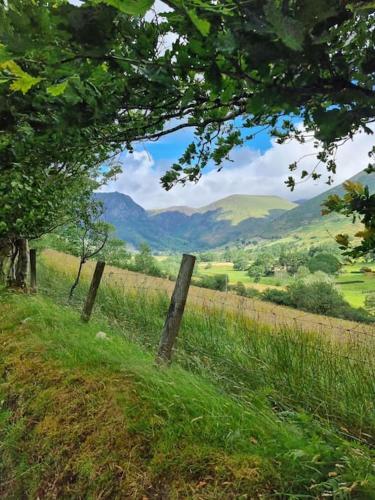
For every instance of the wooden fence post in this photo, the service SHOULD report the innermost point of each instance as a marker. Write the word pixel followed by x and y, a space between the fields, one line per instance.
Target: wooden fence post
pixel 33 269
pixel 176 309
pixel 91 296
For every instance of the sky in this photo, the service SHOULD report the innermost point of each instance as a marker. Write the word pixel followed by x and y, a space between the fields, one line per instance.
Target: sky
pixel 259 168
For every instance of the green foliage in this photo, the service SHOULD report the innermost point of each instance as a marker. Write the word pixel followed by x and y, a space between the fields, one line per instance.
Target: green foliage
pixel 214 282
pixel 317 293
pixel 325 262
pixel 358 203
pixel 263 265
pixel 241 263
pixel 145 262
pixel 280 297
pixel 370 302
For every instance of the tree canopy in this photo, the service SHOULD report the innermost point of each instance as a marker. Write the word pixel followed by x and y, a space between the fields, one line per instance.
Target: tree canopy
pixel 80 83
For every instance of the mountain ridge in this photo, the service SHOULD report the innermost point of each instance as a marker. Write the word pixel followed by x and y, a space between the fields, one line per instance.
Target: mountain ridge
pixel 229 220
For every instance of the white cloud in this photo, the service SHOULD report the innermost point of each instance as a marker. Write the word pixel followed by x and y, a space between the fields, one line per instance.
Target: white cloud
pixel 250 173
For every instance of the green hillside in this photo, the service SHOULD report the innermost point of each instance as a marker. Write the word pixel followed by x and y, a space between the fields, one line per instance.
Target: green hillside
pixel 307 216
pixel 87 417
pixel 235 208
pixel 239 207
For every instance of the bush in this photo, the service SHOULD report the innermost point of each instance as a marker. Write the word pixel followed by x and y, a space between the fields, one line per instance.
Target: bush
pixel 215 282
pixel 365 270
pixel 324 262
pixel 281 297
pixel 239 288
pixel 316 293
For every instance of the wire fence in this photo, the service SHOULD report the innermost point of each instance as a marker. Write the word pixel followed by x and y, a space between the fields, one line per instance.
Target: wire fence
pixel 271 315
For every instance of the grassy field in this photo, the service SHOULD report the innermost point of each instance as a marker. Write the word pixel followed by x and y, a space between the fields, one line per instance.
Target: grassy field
pixel 244 412
pixel 236 276
pixel 353 284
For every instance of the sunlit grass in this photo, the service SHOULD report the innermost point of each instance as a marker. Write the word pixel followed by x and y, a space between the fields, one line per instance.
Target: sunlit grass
pixel 82 416
pixel 331 379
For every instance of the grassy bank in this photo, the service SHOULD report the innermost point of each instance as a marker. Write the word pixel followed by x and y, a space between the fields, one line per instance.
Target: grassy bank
pixel 331 380
pixel 83 417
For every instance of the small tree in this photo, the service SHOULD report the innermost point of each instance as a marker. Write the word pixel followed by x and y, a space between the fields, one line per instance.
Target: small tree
pixel 89 237
pixel 316 293
pixel 145 262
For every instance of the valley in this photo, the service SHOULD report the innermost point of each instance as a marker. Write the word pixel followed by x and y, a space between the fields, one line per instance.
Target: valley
pixel 235 220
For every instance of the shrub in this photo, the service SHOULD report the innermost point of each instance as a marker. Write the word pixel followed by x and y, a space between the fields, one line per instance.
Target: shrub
pixel 324 262
pixel 316 293
pixel 365 270
pixel 281 297
pixel 215 282
pixel 239 288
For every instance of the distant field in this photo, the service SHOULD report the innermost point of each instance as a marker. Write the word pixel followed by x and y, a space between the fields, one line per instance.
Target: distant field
pixel 354 284
pixel 236 276
pixel 351 281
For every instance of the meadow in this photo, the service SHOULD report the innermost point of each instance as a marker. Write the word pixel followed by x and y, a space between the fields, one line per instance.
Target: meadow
pixel 352 283
pixel 237 351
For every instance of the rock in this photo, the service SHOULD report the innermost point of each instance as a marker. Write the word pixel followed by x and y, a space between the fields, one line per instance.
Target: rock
pixel 102 336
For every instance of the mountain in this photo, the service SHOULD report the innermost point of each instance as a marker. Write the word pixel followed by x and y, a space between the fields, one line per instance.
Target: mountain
pixel 133 224
pixel 236 218
pixel 184 228
pixel 309 212
pixel 235 208
pixel 239 207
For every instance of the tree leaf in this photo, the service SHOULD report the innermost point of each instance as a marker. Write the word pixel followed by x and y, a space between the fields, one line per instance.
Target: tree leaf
pixel 131 7
pixel 202 25
pixel 58 88
pixel 23 81
pixel 290 30
pixel 4 55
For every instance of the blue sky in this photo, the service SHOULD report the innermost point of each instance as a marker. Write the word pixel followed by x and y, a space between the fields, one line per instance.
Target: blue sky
pixel 171 147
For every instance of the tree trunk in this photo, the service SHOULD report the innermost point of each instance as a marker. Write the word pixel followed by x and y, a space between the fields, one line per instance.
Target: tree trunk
pixel 11 275
pixel 77 279
pixel 22 266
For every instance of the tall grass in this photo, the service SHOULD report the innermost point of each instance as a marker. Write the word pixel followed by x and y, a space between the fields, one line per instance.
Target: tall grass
pixel 295 371
pixel 88 418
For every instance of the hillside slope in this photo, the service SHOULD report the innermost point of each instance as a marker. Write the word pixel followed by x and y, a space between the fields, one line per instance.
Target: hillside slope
pixel 83 417
pixel 309 212
pixel 236 207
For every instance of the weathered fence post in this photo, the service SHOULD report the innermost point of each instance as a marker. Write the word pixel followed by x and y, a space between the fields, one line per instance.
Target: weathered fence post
pixel 33 269
pixel 91 296
pixel 176 309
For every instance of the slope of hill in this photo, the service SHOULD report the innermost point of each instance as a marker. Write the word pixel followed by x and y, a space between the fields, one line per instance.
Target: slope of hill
pixel 308 215
pixel 87 417
pixel 239 207
pixel 235 208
